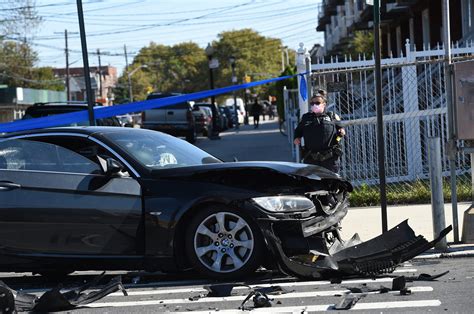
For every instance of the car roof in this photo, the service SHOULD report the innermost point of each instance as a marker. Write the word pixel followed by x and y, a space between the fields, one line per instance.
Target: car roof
pixel 87 130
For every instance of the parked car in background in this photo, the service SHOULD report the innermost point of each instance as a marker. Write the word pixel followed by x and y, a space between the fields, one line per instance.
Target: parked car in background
pixel 220 123
pixel 126 120
pixel 45 109
pixel 202 120
pixel 224 119
pixel 230 119
pixel 177 119
pixel 229 102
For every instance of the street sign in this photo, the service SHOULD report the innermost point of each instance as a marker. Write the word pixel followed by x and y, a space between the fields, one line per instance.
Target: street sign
pixel 234 79
pixel 213 63
pixel 334 87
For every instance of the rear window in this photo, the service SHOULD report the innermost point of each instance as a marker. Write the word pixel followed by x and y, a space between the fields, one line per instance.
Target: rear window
pixel 40 112
pixel 181 105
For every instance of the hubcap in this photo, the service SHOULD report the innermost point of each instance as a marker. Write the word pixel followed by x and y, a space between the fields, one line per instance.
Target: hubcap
pixel 223 242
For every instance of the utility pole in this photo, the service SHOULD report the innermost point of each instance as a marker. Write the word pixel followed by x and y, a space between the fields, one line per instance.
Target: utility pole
pixel 380 127
pixel 85 61
pixel 130 92
pixel 100 74
pixel 66 51
pixel 452 149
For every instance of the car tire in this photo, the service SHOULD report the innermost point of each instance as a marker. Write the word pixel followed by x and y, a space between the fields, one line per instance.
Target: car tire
pixel 191 136
pixel 223 254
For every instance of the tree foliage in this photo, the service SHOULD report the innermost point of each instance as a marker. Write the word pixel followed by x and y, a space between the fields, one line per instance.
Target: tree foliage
pixel 362 43
pixel 17 58
pixel 184 67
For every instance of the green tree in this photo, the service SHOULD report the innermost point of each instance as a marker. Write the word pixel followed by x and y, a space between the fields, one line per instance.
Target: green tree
pixel 184 66
pixel 178 68
pixel 17 58
pixel 361 43
pixel 256 55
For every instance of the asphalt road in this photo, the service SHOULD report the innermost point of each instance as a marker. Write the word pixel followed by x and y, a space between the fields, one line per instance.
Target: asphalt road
pixel 157 293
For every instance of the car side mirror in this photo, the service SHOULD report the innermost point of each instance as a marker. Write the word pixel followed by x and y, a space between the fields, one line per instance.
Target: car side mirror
pixel 113 167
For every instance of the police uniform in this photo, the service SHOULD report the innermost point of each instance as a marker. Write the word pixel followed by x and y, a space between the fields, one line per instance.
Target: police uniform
pixel 321 138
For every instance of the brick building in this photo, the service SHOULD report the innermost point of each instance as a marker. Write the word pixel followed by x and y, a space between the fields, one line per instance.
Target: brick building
pixel 102 83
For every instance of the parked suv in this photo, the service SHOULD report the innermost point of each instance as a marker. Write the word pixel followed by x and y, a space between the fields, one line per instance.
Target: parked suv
pixel 177 119
pixel 46 109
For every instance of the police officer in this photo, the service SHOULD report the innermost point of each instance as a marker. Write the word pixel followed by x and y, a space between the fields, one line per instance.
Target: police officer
pixel 321 132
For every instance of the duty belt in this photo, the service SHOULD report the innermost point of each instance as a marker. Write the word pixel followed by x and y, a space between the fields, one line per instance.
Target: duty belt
pixel 334 151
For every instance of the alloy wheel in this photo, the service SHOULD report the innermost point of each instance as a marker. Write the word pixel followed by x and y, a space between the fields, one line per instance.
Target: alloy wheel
pixel 223 242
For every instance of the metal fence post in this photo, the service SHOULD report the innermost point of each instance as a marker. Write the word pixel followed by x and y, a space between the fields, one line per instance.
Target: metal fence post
pixel 412 124
pixel 436 183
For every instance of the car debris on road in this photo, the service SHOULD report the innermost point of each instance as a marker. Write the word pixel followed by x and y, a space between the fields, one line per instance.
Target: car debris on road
pixel 55 300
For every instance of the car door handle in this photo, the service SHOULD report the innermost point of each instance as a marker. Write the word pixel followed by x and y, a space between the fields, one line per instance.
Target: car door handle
pixel 7 186
pixel 171 112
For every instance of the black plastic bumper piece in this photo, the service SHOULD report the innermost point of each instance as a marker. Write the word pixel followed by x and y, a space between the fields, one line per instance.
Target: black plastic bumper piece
pixel 379 255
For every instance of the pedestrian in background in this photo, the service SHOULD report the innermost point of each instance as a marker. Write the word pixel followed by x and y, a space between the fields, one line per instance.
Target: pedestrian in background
pixel 256 112
pixel 322 132
pixel 271 111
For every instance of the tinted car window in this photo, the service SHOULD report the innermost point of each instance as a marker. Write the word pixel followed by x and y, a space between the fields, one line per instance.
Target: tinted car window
pixel 31 155
pixel 181 105
pixel 46 111
pixel 155 150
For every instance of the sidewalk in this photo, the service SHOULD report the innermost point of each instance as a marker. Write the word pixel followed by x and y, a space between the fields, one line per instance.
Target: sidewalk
pixel 268 144
pixel 419 218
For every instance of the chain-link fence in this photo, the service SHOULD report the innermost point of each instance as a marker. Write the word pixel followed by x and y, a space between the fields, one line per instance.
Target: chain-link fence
pixel 414 109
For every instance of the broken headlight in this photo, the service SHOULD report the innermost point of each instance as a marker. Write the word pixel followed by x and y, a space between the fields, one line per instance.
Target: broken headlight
pixel 283 204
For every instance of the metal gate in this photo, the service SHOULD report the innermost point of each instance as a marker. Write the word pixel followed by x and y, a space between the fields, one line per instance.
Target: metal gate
pixel 414 109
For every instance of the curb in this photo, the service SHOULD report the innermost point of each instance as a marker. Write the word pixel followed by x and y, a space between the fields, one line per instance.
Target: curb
pixel 451 253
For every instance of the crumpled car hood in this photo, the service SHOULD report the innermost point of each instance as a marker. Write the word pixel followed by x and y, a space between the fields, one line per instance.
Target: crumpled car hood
pixel 258 167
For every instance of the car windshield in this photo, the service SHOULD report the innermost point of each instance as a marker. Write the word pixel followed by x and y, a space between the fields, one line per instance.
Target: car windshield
pixel 155 150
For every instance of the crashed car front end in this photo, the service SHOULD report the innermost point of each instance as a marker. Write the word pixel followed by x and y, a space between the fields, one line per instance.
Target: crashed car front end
pixel 303 236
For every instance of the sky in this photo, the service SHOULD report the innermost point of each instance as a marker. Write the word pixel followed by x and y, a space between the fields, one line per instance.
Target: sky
pixel 111 24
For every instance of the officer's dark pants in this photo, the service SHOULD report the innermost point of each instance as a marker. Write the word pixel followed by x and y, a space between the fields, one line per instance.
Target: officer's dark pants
pixel 331 163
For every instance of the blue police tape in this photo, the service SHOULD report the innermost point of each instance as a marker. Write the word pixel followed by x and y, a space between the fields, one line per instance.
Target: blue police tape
pixel 105 112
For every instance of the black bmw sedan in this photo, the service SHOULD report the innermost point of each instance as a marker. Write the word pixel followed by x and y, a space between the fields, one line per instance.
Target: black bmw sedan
pixel 106 198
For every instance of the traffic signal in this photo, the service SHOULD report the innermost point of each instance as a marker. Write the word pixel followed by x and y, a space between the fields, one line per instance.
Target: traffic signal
pixel 247 79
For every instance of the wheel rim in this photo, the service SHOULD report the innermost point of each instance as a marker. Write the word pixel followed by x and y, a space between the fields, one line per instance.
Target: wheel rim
pixel 223 242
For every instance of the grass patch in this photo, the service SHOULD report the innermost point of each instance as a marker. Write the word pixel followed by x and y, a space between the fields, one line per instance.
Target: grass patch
pixel 417 192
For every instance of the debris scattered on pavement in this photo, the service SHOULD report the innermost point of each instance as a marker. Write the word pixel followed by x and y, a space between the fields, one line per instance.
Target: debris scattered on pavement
pixel 259 300
pixel 219 290
pixel 346 302
pixel 426 277
pixel 398 283
pixel 55 300
pixel 379 255
pixel 405 291
pixel 272 290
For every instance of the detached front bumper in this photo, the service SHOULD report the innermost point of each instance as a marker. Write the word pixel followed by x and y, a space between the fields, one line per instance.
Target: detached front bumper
pixel 301 249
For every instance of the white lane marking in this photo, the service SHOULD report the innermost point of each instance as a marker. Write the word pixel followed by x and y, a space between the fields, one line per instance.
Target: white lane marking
pixel 282 284
pixel 295 295
pixel 406 270
pixel 320 308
